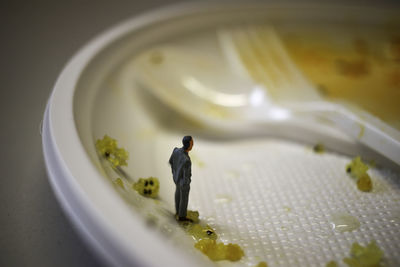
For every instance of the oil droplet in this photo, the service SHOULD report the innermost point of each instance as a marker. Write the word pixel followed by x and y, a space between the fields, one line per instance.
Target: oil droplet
pixel 343 222
pixel 222 199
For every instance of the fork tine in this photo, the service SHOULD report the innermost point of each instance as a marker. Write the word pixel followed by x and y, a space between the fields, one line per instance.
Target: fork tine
pixel 263 55
pixel 268 56
pixel 287 65
pixel 249 56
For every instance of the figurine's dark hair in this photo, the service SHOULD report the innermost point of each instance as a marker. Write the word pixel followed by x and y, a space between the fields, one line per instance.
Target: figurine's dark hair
pixel 186 141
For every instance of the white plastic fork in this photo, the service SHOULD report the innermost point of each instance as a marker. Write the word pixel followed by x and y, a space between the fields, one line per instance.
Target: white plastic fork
pixel 258 53
pixel 268 94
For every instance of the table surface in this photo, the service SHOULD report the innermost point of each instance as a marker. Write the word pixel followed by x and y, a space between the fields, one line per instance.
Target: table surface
pixel 38 38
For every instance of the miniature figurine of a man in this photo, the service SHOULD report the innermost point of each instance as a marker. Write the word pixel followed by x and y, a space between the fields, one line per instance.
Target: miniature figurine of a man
pixel 181 166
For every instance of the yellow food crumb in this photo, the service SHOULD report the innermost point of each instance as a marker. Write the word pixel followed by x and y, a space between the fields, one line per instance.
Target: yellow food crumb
pixel 319 148
pixel 287 209
pixel 199 232
pixel 108 148
pixel 219 251
pixel 147 187
pixel 367 256
pixel 193 215
pixel 262 264
pixel 358 170
pixel 331 264
pixel 364 183
pixel 119 182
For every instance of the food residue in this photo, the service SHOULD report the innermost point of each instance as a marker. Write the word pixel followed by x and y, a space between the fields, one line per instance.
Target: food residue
pixel 156 58
pixel 357 169
pixel 219 251
pixel 331 264
pixel 193 215
pixel 367 256
pixel 199 232
pixel 147 187
pixel 108 148
pixel 364 183
pixel 206 237
pixel 355 68
pixel 287 208
pixel 361 70
pixel 319 148
pixel 262 264
pixel 119 182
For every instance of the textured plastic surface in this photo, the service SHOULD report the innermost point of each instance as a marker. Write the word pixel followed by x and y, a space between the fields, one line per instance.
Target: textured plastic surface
pixel 276 199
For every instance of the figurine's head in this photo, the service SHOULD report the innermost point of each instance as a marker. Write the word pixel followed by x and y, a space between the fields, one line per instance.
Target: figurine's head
pixel 187 142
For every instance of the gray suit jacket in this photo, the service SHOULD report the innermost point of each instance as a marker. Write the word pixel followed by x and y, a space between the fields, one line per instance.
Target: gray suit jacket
pixel 181 167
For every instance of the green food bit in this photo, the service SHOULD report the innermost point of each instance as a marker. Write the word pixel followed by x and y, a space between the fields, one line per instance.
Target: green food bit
pixel 358 170
pixel 193 215
pixel 119 182
pixel 287 209
pixel 219 251
pixel 262 264
pixel 368 256
pixel 319 148
pixel 147 187
pixel 108 148
pixel 364 183
pixel 331 264
pixel 199 232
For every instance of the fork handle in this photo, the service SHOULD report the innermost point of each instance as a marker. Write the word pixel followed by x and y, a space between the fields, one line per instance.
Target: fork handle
pixel 367 129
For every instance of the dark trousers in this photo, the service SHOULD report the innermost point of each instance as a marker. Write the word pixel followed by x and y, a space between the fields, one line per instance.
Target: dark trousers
pixel 181 200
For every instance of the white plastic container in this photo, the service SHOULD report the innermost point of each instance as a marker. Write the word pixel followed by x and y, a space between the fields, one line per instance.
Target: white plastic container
pixel 95 95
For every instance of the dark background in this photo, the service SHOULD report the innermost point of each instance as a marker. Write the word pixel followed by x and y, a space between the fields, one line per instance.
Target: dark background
pixel 37 39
